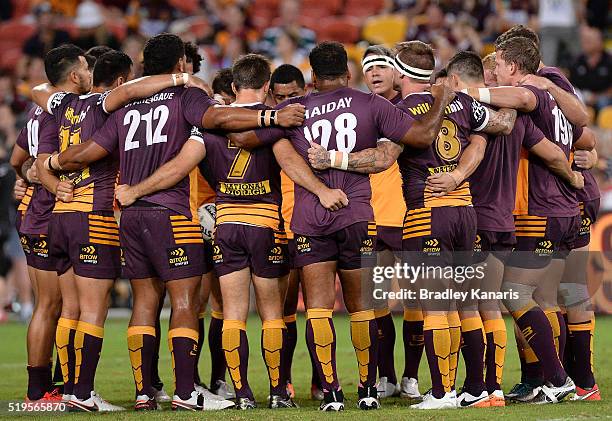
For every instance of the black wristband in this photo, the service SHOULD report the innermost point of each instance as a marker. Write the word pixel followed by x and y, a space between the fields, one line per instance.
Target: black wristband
pixel 273 117
pixel 49 163
pixel 262 119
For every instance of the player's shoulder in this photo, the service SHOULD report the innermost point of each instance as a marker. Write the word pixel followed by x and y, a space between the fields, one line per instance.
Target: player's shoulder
pixel 416 103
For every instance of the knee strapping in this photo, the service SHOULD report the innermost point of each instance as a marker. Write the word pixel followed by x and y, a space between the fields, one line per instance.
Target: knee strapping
pixel 517 296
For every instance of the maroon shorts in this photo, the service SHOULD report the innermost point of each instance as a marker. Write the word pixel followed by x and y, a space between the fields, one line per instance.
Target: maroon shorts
pixel 238 246
pixel 588 216
pixel 160 243
pixel 540 239
pixel 388 238
pixel 352 247
pixel 291 249
pixel 440 236
pixel 500 244
pixel 36 250
pixel 86 241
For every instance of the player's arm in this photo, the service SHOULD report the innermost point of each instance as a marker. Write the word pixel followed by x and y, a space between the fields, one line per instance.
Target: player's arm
pixel 61 189
pixel 234 119
pixel 424 131
pixel 166 176
pixel 76 157
pixel 18 159
pixel 519 98
pixel 298 171
pixel 446 182
pixel 571 106
pixel 556 161
pixel 587 140
pixel 500 121
pixel 367 161
pixel 41 94
pixel 146 86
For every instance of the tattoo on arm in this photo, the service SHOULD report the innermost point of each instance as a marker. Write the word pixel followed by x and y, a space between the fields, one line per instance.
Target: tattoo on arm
pixel 501 121
pixel 374 160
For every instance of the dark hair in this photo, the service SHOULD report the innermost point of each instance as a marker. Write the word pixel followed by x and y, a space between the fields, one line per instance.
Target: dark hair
pixel 251 71
pixel 379 50
pixel 467 65
pixel 98 51
pixel 60 61
pixel 522 52
pixel 287 73
pixel 223 81
pixel 518 31
pixel 416 54
pixel 110 66
pixel 193 56
pixel 161 54
pixel 91 61
pixel 329 60
pixel 440 73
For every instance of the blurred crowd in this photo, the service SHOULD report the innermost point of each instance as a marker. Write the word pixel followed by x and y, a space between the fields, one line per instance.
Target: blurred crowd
pixel 575 35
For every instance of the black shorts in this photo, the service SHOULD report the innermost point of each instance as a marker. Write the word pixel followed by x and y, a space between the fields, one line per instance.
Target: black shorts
pixel 353 247
pixel 539 239
pixel 500 244
pixel 588 216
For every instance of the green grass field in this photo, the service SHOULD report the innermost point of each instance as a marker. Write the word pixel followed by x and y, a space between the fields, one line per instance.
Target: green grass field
pixel 114 380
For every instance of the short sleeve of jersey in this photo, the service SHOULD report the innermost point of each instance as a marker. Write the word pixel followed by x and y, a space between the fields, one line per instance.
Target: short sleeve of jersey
pixel 533 135
pixel 48 140
pixel 196 135
pixel 22 138
pixel 269 135
pixel 479 115
pixel 392 123
pixel 560 81
pixel 539 94
pixel 57 102
pixel 195 103
pixel 102 101
pixel 577 132
pixel 108 136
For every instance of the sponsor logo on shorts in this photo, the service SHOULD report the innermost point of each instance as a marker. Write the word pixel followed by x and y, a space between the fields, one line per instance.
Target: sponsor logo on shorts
pixel 25 245
pixel 41 248
pixel 88 254
pixel 585 226
pixel 303 244
pixel 217 254
pixel 431 246
pixel 276 255
pixel 122 257
pixel 367 247
pixel 544 248
pixel 177 257
pixel 478 244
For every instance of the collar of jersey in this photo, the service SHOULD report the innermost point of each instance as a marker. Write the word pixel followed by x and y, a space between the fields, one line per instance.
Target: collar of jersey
pixel 233 104
pixel 418 93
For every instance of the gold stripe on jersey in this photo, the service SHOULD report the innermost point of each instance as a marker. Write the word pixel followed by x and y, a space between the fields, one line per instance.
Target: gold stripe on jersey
pixel 103 230
pixel 186 231
pixel 461 196
pixel 417 223
pixel 259 214
pixel 387 199
pixel 193 192
pixel 530 226
pixel 280 237
pixel 82 201
pixel 287 189
pixel 27 198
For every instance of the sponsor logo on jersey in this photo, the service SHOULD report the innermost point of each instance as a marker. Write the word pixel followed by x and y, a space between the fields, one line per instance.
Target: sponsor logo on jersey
pixel 177 257
pixel 245 189
pixel 88 254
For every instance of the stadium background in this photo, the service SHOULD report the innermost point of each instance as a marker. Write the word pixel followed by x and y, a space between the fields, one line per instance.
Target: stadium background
pixel 285 31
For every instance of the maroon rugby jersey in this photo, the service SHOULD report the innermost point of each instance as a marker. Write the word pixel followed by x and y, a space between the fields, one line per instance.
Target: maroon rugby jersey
pixel 247 183
pixel 493 183
pixel 39 131
pixel 463 116
pixel 536 181
pixel 591 189
pixel 347 120
pixel 79 117
pixel 150 132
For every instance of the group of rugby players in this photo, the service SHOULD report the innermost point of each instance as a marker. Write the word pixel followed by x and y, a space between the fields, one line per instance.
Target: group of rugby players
pixel 445 172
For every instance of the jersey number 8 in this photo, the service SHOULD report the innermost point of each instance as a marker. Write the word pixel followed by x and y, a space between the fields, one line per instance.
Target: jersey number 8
pixel 448 145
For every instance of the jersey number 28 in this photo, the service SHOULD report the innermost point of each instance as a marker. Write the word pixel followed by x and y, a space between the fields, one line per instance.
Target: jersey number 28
pixel 345 125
